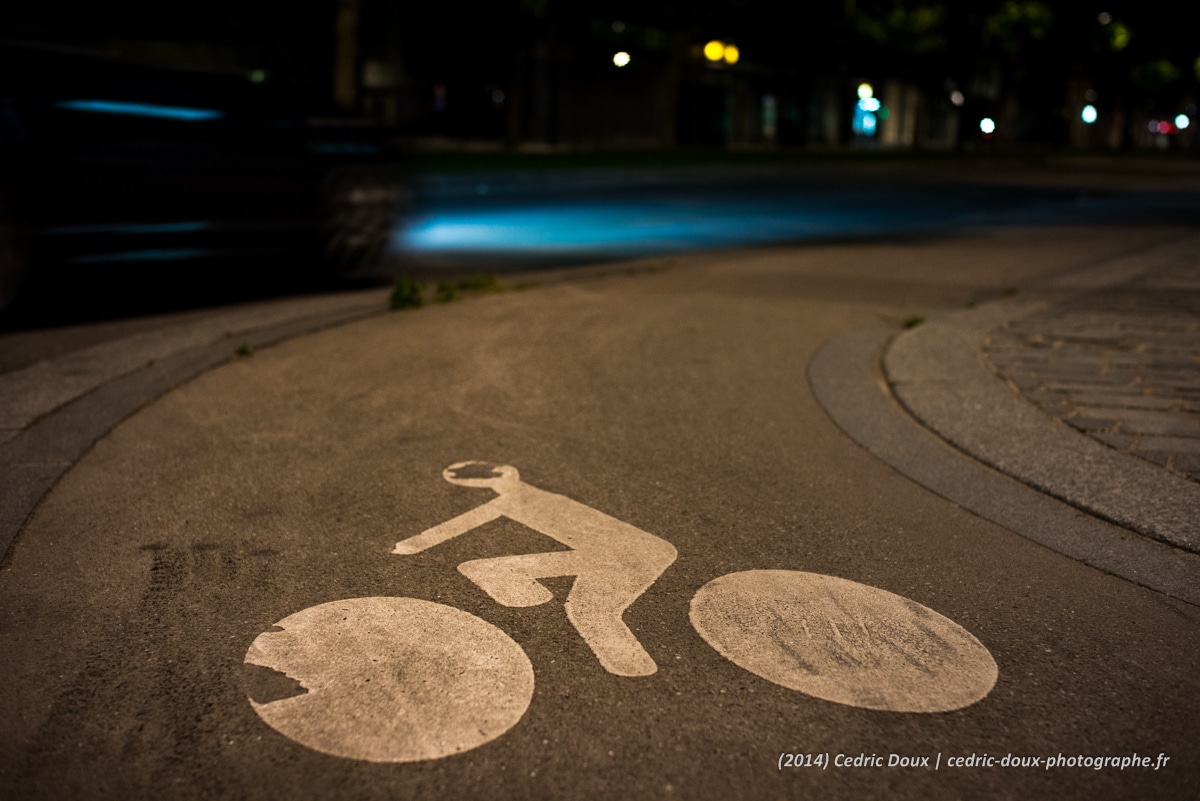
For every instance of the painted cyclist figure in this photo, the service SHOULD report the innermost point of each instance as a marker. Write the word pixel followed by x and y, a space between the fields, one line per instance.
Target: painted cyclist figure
pixel 613 562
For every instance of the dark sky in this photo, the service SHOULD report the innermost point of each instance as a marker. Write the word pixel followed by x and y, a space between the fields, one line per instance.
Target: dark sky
pixel 476 40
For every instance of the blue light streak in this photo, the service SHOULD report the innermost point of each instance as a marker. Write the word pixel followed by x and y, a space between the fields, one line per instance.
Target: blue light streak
pixel 178 254
pixel 128 228
pixel 634 227
pixel 141 110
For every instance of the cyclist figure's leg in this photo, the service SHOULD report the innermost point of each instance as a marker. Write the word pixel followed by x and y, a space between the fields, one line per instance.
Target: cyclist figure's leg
pixel 601 593
pixel 512 580
pixel 595 606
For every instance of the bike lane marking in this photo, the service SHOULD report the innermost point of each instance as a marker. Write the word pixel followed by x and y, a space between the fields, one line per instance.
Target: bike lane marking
pixel 613 562
pixel 842 641
pixel 404 680
pixel 393 679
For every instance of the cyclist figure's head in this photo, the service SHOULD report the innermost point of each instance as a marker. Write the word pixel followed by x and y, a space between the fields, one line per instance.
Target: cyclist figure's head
pixel 482 474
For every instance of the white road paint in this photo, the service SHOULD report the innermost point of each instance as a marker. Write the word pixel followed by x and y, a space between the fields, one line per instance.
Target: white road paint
pixel 843 641
pixel 406 680
pixel 613 562
pixel 393 679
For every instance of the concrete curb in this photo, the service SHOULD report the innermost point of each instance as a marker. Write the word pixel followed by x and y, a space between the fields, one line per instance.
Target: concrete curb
pixel 926 403
pixel 55 429
pixel 938 373
pixel 846 380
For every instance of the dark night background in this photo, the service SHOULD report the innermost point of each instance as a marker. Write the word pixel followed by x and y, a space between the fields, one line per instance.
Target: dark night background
pixel 177 150
pixel 538 73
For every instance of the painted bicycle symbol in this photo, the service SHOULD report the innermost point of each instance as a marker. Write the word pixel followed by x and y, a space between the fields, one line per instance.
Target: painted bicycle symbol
pixel 391 679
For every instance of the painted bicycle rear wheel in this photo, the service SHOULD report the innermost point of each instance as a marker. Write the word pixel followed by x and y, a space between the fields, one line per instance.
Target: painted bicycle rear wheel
pixel 390 679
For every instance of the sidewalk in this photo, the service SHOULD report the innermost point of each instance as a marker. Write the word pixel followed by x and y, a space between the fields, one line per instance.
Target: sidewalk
pixel 1121 365
pixel 1087 353
pixel 1086 388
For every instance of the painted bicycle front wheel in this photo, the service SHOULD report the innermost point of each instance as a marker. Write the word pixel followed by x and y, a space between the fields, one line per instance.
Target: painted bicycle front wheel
pixel 843 641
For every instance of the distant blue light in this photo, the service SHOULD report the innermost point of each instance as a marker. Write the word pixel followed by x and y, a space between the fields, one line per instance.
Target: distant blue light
pixel 1089 114
pixel 484 230
pixel 864 122
pixel 141 110
pixel 628 228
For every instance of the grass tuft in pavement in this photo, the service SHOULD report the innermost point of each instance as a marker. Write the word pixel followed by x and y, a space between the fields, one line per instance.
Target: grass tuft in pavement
pixel 447 291
pixel 408 294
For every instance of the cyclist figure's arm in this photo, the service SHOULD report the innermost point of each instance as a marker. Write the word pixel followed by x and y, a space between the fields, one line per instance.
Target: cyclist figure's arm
pixel 450 529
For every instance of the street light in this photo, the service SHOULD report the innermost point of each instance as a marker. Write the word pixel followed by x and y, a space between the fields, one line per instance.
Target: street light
pixel 1089 114
pixel 621 59
pixel 716 50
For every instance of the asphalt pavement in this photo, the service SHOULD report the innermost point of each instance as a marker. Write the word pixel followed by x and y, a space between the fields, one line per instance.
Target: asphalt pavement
pixel 890 519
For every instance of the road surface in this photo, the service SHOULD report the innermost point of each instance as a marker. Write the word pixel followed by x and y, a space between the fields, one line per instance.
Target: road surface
pixel 223 598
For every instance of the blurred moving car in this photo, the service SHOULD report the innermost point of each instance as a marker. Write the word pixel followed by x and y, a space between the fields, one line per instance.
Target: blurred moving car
pixel 107 165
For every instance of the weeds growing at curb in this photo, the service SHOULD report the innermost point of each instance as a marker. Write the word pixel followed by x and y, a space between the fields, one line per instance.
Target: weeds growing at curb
pixel 447 291
pixel 408 294
pixel 483 282
pixel 244 349
pixel 914 321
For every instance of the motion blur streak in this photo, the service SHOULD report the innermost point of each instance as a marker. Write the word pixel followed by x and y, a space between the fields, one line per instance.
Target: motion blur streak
pixel 643 226
pixel 177 254
pixel 141 110
pixel 128 228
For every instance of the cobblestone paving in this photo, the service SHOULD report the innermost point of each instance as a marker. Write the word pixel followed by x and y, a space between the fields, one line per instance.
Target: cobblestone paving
pixel 1121 365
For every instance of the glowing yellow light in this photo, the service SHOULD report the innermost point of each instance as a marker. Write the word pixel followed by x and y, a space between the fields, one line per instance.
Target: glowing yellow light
pixel 621 59
pixel 865 90
pixel 1119 38
pixel 731 54
pixel 714 50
